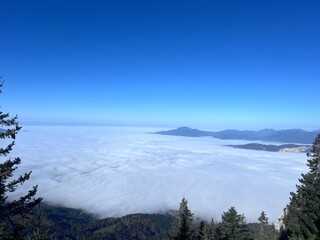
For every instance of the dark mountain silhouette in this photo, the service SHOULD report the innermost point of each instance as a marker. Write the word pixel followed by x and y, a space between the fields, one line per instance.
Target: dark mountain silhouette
pixel 286 136
pixel 186 132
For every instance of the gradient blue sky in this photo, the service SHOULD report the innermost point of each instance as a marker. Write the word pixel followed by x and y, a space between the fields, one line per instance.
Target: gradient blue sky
pixel 206 64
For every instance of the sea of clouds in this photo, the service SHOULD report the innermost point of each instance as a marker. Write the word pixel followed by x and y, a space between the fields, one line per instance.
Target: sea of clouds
pixel 114 171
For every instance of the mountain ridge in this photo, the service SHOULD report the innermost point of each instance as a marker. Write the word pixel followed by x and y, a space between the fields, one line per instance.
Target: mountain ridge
pixel 286 136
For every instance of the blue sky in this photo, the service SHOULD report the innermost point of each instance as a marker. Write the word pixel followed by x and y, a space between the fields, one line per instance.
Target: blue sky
pixel 206 64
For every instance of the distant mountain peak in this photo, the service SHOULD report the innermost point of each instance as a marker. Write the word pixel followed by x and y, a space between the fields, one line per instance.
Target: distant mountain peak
pixel 185 128
pixel 185 132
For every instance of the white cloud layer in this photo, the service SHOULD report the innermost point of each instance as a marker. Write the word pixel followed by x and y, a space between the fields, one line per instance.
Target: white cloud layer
pixel 118 171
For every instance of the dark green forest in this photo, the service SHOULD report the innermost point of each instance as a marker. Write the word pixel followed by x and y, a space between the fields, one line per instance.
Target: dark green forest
pixel 49 222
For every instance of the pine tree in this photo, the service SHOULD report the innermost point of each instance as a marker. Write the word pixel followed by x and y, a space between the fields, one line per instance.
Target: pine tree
pixel 265 231
pixel 206 231
pixel 302 218
pixel 210 231
pixel 11 212
pixel 263 222
pixel 232 226
pixel 182 227
pixel 201 231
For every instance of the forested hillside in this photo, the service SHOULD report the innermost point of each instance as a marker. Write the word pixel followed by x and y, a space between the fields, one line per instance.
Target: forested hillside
pixel 53 223
pixel 65 223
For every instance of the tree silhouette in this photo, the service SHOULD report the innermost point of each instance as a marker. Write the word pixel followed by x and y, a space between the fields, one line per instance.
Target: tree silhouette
pixel 12 212
pixel 302 215
pixel 182 227
pixel 232 225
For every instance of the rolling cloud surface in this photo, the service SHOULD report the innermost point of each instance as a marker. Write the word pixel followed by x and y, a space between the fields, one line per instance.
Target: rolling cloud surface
pixel 117 171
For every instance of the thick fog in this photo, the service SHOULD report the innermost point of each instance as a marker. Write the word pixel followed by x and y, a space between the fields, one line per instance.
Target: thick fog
pixel 117 171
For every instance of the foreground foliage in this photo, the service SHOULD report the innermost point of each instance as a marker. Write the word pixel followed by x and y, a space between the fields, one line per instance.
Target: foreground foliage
pixel 55 223
pixel 302 215
pixel 15 213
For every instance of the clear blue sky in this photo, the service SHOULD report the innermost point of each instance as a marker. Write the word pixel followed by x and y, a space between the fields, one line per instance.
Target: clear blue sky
pixel 206 64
